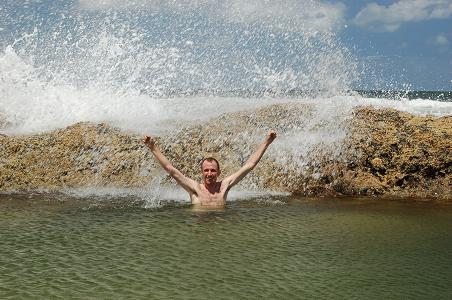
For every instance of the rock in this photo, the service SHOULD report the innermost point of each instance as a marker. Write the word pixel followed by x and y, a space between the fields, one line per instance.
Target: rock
pixel 384 152
pixel 377 163
pixel 82 154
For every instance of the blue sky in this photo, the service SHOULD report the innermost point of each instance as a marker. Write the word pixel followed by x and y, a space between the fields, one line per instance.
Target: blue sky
pixel 414 37
pixel 403 44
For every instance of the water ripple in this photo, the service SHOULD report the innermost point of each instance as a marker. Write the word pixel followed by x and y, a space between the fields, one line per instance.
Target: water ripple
pixel 299 250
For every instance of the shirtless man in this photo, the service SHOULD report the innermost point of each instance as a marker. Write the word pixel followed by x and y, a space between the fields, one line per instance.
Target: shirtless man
pixel 209 192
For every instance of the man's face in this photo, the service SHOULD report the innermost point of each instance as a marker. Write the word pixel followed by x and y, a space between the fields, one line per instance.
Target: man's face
pixel 210 172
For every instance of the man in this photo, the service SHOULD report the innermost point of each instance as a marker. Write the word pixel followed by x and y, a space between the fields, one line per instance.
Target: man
pixel 209 192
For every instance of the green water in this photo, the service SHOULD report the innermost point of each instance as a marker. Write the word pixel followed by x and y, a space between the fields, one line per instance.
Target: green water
pixel 289 249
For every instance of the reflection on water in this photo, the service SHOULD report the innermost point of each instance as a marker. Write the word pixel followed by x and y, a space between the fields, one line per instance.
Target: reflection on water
pixel 274 249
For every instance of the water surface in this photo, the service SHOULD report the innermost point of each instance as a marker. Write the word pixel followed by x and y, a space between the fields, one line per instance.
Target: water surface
pixel 272 248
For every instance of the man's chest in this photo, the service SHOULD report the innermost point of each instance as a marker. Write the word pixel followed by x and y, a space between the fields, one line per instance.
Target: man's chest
pixel 206 197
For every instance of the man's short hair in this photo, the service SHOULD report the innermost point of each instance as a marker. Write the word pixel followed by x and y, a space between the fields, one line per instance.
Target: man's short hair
pixel 210 159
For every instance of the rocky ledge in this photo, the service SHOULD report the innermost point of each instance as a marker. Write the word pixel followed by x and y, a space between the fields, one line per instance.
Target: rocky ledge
pixel 384 152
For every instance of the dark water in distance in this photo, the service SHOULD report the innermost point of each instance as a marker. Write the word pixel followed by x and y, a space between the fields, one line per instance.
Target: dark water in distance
pixel 426 95
pixel 445 96
pixel 277 248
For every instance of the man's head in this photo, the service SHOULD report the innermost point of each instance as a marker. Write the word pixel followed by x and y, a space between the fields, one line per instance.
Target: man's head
pixel 210 169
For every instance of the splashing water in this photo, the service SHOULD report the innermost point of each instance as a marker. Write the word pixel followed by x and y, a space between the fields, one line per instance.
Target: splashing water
pixel 107 61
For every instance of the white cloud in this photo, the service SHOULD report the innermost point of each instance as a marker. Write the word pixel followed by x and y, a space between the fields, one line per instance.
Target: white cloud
pixel 299 15
pixel 294 15
pixel 441 40
pixel 389 18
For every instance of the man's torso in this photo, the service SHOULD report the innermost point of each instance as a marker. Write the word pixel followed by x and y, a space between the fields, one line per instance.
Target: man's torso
pixel 205 197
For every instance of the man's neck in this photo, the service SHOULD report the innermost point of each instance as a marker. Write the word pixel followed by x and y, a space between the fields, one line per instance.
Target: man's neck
pixel 212 188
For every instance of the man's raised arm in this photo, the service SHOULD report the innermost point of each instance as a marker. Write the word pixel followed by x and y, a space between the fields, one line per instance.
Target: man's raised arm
pixel 187 183
pixel 251 162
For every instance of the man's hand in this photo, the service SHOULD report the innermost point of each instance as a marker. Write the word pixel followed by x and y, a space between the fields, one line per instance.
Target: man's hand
pixel 271 136
pixel 149 141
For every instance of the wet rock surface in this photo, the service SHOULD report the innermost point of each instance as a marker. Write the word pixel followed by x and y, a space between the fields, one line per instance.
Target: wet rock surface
pixel 383 152
pixel 80 155
pixel 400 154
